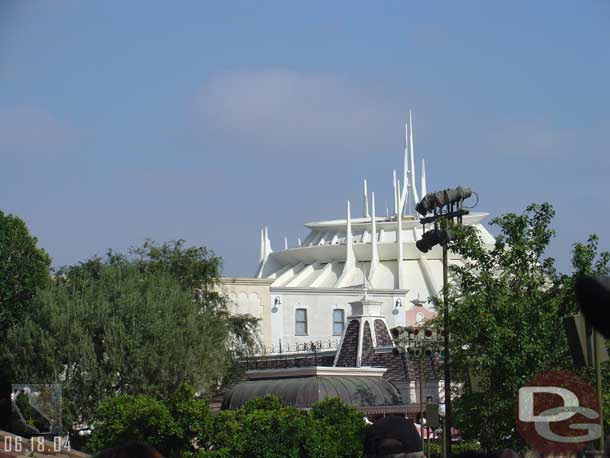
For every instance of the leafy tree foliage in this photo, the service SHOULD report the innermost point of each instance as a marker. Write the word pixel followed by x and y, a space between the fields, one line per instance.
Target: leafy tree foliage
pixel 128 417
pixel 23 269
pixel 507 306
pixel 184 426
pixel 177 427
pixel 335 429
pixel 263 428
pixel 129 326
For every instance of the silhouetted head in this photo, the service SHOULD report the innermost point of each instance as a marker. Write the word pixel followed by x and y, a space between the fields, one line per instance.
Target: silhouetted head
pixel 477 454
pixel 132 449
pixel 395 437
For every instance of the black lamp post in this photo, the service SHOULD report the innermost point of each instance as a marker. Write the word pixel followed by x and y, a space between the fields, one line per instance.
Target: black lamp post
pixel 445 206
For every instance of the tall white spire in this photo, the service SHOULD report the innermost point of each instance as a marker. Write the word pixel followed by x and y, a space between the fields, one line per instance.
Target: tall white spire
pixel 350 257
pixel 398 198
pixel 405 171
pixel 395 192
pixel 366 201
pixel 423 179
pixel 265 251
pixel 262 248
pixel 411 151
pixel 285 243
pixel 348 229
pixel 268 249
pixel 375 251
pixel 399 254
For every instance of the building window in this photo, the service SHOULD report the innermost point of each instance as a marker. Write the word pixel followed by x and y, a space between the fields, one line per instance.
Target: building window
pixel 338 322
pixel 301 322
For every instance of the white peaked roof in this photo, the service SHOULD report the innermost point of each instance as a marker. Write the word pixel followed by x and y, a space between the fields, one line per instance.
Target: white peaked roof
pixel 378 250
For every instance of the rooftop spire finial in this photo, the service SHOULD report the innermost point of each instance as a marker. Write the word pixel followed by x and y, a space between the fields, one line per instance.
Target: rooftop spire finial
pixel 366 201
pixel 395 192
pixel 411 150
pixel 262 248
pixel 350 256
pixel 374 249
pixel 423 179
pixel 405 170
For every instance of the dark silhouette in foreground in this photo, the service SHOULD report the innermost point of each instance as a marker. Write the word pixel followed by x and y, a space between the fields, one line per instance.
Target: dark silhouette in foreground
pixel 593 296
pixel 133 449
pixel 395 437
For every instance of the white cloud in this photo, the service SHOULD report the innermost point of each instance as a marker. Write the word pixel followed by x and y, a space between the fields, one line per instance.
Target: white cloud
pixel 281 112
pixel 27 131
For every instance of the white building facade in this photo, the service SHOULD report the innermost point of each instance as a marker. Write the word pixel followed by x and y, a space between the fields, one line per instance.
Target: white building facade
pixel 311 285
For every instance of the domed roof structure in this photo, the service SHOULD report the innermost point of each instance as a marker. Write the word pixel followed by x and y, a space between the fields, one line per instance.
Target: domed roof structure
pixel 314 384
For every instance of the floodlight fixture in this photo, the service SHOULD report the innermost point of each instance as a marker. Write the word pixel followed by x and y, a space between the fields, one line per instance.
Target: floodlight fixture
pixel 432 238
pixel 398 331
pixel 439 199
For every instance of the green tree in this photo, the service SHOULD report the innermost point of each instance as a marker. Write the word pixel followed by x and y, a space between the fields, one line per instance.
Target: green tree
pixel 260 428
pixel 121 325
pixel 176 427
pixel 123 418
pixel 23 269
pixel 507 306
pixel 263 428
pixel 335 429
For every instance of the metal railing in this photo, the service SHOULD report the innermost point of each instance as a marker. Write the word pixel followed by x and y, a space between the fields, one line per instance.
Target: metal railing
pixel 302 347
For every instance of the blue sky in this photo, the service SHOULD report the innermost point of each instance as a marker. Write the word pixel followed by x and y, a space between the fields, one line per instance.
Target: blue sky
pixel 205 121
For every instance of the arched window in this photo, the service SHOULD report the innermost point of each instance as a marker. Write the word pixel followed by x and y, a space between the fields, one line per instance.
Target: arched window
pixel 338 322
pixel 300 325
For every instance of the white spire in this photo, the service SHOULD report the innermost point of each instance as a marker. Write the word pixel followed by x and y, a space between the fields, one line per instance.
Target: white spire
pixel 348 232
pixel 262 248
pixel 413 187
pixel 423 178
pixel 265 251
pixel 398 197
pixel 399 256
pixel 405 170
pixel 395 192
pixel 366 201
pixel 268 249
pixel 374 250
pixel 350 257
pixel 285 243
pixel 299 241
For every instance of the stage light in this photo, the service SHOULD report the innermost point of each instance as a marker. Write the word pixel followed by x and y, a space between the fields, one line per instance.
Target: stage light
pixel 398 331
pixel 432 238
pixel 439 199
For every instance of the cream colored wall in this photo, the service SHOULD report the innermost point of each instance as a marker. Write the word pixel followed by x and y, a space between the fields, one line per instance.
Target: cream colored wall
pixel 251 296
pixel 319 305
